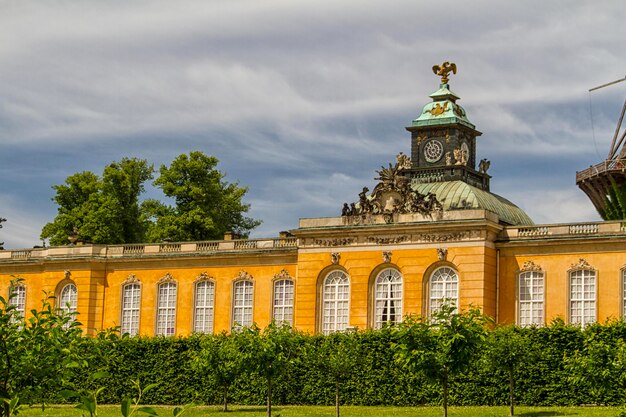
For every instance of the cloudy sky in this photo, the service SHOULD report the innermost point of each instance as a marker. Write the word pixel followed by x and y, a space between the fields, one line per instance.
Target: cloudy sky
pixel 302 100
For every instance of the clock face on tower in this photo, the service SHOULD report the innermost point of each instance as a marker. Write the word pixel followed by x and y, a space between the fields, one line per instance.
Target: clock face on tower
pixel 433 150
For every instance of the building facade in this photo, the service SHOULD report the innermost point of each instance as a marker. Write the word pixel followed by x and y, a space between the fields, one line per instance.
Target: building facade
pixel 429 232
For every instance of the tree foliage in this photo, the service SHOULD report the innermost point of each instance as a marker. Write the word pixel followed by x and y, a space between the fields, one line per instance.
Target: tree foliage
pixel 102 209
pixel 206 205
pixel 506 350
pixel 107 209
pixel 36 352
pixel 221 359
pixel 600 366
pixel 269 352
pixel 441 346
pixel 615 204
pixel 338 356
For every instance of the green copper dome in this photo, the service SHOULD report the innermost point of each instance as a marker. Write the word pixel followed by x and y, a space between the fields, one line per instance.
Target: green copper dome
pixel 454 195
pixel 443 110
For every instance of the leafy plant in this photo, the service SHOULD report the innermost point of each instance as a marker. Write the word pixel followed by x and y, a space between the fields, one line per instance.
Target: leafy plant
pixel 441 346
pixel 506 350
pixel 34 353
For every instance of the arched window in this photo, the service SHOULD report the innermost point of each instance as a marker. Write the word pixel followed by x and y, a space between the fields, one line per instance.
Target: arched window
pixel 443 288
pixel 530 298
pixel 68 298
pixel 166 310
pixel 243 299
pixel 131 299
pixel 335 302
pixel 204 308
pixel 387 298
pixel 582 296
pixel 283 301
pixel 17 298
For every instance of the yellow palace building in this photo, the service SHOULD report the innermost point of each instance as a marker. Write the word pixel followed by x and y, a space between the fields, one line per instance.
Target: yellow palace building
pixel 429 232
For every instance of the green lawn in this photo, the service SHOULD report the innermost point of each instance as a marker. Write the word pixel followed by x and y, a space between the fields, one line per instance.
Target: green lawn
pixel 346 411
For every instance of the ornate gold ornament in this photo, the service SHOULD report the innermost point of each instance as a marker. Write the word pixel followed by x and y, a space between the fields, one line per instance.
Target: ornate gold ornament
pixel 438 110
pixel 204 277
pixel 442 254
pixel 443 70
pixel 244 275
pixel 582 264
pixel 282 275
pixel 530 266
pixel 335 257
pixel 131 279
pixel 166 278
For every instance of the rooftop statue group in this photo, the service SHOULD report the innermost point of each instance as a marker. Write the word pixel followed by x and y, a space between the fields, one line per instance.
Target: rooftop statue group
pixel 393 194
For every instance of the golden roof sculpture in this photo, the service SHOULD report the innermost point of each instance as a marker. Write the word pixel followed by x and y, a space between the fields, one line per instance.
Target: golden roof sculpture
pixel 444 69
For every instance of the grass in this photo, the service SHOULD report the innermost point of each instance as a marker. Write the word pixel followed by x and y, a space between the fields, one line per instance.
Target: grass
pixel 346 411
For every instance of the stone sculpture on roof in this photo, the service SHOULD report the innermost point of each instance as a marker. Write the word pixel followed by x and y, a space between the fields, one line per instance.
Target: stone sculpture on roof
pixel 393 194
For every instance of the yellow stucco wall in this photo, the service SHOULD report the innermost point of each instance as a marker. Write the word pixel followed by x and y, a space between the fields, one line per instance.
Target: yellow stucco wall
pixel 556 259
pixel 487 268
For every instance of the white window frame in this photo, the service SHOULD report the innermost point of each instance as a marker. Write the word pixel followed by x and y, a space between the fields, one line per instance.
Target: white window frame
pixel 166 309
pixel 335 302
pixel 443 286
pixel 243 303
pixel 204 306
pixel 17 299
pixel 531 298
pixel 282 307
pixel 582 297
pixel 388 297
pixel 131 309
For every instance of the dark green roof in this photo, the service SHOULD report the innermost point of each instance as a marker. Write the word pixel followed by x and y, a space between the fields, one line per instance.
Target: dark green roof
pixel 460 195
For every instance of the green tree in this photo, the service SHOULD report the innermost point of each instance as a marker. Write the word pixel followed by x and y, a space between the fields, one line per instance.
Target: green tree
pixel 220 357
pixel 442 346
pixel 101 209
pixel 206 205
pixel 34 352
pixel 506 349
pixel 600 366
pixel 337 355
pixel 270 352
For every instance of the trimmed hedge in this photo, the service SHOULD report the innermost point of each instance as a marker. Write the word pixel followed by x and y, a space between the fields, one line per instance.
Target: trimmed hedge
pixel 377 379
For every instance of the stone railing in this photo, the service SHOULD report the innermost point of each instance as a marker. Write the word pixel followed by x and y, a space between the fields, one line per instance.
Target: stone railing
pixel 563 230
pixel 149 249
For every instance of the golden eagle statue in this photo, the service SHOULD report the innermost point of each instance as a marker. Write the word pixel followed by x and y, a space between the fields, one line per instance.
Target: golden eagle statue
pixel 444 69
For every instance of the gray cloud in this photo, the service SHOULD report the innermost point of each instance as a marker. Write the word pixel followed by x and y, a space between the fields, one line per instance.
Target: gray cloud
pixel 300 101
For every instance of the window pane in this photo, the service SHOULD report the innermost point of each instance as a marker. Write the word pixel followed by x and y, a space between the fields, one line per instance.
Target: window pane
pixel 583 297
pixel 443 288
pixel 130 309
pixel 530 303
pixel 204 309
pixel 335 302
pixel 242 303
pixel 68 300
pixel 283 301
pixel 18 299
pixel 166 311
pixel 388 298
